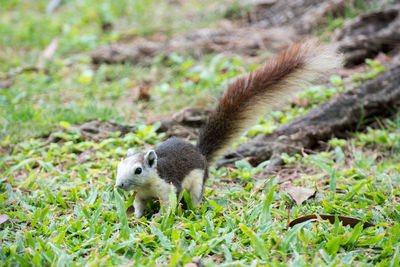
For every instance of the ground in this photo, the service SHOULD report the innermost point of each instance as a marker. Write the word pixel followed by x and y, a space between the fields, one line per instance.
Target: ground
pixel 58 204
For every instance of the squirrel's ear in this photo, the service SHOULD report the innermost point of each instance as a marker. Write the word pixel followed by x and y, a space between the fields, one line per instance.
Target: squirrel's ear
pixel 150 159
pixel 130 152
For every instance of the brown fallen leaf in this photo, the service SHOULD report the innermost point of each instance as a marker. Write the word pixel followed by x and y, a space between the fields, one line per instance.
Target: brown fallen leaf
pixel 143 93
pixel 130 211
pixel 383 58
pixel 4 218
pixel 51 49
pixel 299 194
pixel 344 219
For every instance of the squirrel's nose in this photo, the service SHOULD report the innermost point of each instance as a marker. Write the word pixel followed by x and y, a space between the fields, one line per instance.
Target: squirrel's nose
pixel 120 185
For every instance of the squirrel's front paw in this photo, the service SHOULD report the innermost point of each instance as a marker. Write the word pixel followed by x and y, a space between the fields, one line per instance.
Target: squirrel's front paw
pixel 138 215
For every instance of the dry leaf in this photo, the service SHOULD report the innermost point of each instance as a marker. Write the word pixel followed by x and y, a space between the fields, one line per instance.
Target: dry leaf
pixel 344 219
pixel 196 263
pixel 144 93
pixel 130 211
pixel 48 53
pixel 383 58
pixel 3 218
pixel 300 194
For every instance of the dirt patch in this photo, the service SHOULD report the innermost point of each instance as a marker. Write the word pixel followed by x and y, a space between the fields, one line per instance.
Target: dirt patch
pixel 184 123
pixel 93 131
pixel 97 130
pixel 247 41
pixel 267 25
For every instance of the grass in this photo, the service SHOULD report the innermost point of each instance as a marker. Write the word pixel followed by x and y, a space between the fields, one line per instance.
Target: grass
pixel 64 210
pixel 60 196
pixel 67 87
pixel 78 93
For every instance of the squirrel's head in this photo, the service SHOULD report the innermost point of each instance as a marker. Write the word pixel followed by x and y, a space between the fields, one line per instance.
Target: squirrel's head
pixel 136 169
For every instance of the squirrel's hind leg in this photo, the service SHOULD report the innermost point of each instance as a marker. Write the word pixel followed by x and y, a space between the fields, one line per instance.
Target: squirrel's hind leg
pixel 193 183
pixel 197 194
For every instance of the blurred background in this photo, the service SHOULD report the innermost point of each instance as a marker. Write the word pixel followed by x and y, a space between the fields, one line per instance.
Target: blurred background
pixel 76 61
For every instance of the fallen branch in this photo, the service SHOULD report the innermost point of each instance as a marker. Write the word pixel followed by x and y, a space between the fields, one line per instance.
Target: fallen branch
pixel 369 34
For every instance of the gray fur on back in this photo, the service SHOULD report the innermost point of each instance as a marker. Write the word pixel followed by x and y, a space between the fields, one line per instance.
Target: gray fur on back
pixel 176 158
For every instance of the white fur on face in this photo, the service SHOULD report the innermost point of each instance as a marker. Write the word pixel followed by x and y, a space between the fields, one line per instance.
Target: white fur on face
pixel 126 177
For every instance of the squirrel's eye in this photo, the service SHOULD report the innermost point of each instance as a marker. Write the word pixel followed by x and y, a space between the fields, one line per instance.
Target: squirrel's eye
pixel 138 170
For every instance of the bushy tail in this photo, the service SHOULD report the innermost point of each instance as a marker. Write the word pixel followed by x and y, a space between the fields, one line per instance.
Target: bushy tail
pixel 253 94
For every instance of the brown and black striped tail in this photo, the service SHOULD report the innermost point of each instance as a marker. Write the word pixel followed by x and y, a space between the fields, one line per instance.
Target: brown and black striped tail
pixel 254 94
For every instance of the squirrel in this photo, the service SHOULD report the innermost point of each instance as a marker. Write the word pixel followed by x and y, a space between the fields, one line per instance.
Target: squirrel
pixel 177 164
